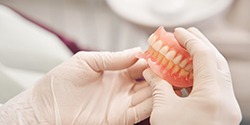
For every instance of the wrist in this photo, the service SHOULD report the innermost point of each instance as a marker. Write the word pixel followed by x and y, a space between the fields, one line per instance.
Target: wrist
pixel 22 109
pixel 17 110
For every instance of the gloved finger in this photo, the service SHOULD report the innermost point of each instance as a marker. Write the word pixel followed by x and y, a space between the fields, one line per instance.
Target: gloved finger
pixel 140 112
pixel 139 85
pixel 100 61
pixel 199 35
pixel 222 63
pixel 204 59
pixel 158 85
pixel 135 71
pixel 141 95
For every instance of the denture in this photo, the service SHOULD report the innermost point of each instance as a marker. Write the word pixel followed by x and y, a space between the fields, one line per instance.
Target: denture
pixel 168 59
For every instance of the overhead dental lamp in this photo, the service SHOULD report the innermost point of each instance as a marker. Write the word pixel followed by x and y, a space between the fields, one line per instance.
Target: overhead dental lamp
pixel 170 13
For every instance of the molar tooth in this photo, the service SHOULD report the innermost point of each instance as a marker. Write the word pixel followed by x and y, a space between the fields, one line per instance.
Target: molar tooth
pixel 183 63
pixel 177 59
pixel 157 45
pixel 176 69
pixel 171 54
pixel 151 39
pixel 164 50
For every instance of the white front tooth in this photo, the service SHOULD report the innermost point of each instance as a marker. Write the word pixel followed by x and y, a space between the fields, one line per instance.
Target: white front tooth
pixel 164 50
pixel 183 63
pixel 177 59
pixel 157 46
pixel 151 39
pixel 171 54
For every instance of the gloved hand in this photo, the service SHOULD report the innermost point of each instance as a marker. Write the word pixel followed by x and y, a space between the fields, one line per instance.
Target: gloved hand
pixel 91 88
pixel 211 101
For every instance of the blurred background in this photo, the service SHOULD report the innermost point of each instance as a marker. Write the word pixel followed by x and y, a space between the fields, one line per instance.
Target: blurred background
pixel 37 35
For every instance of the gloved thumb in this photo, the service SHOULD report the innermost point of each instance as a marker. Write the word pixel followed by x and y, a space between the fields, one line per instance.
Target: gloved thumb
pixel 100 61
pixel 161 89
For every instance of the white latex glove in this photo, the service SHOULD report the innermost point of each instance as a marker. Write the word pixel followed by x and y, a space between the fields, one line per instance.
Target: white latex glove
pixel 211 101
pixel 91 88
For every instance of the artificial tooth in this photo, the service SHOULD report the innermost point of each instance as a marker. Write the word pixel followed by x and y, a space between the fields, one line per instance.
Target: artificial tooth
pixel 157 45
pixel 151 50
pixel 188 67
pixel 177 59
pixel 190 76
pixel 155 53
pixel 159 57
pixel 164 62
pixel 183 73
pixel 151 39
pixel 171 54
pixel 176 69
pixel 170 65
pixel 164 50
pixel 183 63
